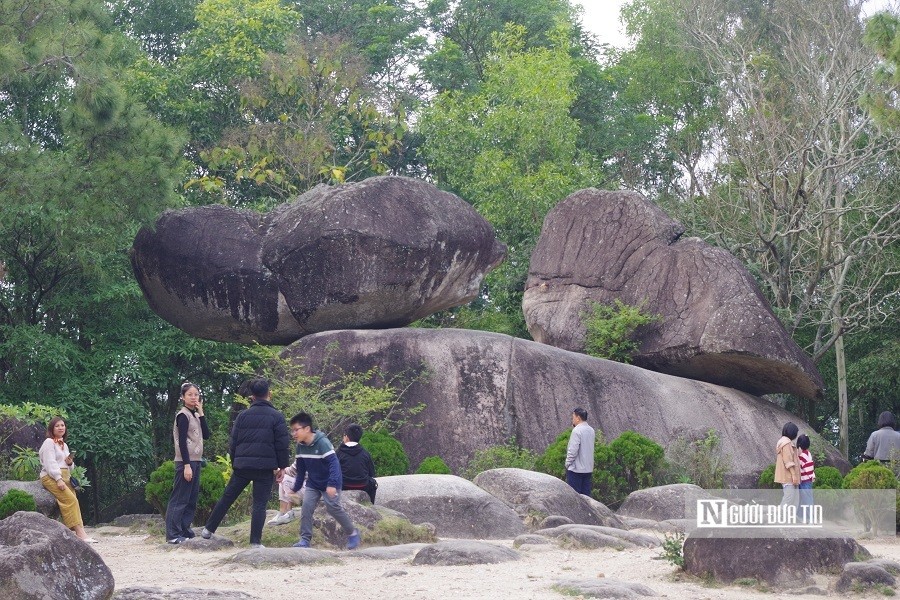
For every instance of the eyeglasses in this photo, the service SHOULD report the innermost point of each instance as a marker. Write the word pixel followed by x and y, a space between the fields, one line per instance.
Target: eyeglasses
pixel 299 428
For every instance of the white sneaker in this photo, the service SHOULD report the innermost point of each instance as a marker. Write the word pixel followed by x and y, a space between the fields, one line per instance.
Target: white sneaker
pixel 282 518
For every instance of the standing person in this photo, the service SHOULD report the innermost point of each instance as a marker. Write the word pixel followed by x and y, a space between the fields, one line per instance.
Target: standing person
pixel 357 467
pixel 807 477
pixel 787 471
pixel 884 440
pixel 56 463
pixel 316 460
pixel 580 453
pixel 188 433
pixel 260 445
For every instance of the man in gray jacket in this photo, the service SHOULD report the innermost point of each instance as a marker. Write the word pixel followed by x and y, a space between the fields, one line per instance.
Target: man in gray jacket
pixel 580 453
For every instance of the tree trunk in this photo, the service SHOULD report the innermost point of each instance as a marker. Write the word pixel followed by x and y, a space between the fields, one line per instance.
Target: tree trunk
pixel 843 405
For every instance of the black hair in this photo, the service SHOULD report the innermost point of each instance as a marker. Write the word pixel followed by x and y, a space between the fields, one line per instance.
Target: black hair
pixel 259 388
pixel 580 413
pixel 302 418
pixel 353 432
pixel 188 385
pixel 886 419
pixel 803 442
pixel 790 430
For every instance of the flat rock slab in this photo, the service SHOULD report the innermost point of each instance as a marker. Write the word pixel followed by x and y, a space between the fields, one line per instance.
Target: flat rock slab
pixel 383 252
pixel 602 588
pixel 632 537
pixel 216 542
pixel 864 574
pixel 281 557
pixel 774 560
pixel 662 502
pixel 661 526
pixel 41 558
pixel 531 539
pixel 716 326
pixel 155 593
pixel 464 552
pixel 388 552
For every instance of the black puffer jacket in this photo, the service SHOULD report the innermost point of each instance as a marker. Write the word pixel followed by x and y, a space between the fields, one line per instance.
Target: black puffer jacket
pixel 260 438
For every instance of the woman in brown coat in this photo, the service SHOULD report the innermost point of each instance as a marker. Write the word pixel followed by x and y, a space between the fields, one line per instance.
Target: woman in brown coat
pixel 787 470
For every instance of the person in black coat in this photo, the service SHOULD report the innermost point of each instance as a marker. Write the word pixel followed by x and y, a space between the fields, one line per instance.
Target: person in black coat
pixel 357 468
pixel 260 445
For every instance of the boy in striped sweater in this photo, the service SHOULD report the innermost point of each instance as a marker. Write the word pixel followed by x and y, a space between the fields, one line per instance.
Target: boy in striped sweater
pixel 807 476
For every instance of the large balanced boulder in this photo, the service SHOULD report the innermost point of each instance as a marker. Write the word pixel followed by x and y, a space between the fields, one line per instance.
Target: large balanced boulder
pixel 455 506
pixel 485 388
pixel 40 558
pixel 532 494
pixel 773 559
pixel 380 253
pixel 715 325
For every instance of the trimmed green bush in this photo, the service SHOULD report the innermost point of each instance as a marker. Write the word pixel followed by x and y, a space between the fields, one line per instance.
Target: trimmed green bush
pixel 630 462
pixel 767 479
pixel 828 478
pixel 15 500
pixel 159 489
pixel 553 460
pixel 871 475
pixel 433 465
pixel 387 453
pixel 505 456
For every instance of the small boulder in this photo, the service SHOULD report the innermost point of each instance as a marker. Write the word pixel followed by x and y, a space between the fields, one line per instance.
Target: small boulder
pixel 774 559
pixel 531 539
pixel 138 592
pixel 864 574
pixel 361 515
pixel 662 502
pixel 530 492
pixel 213 544
pixel 389 552
pixel 631 537
pixel 457 507
pixel 283 557
pixel 554 521
pixel 602 588
pixel 464 552
pixel 40 558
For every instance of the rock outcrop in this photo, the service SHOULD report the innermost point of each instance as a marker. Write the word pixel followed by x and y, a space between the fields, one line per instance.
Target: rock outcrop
pixel 485 388
pixel 46 502
pixel 40 558
pixel 715 326
pixel 463 552
pixel 661 503
pixel 379 253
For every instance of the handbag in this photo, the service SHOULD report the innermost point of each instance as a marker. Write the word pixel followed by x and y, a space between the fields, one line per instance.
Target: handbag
pixel 76 484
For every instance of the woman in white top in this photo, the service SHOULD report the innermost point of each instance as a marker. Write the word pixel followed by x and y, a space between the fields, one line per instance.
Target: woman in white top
pixel 56 460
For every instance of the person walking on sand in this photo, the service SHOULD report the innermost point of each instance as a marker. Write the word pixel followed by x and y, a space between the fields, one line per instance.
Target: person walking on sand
pixel 188 433
pixel 260 451
pixel 580 453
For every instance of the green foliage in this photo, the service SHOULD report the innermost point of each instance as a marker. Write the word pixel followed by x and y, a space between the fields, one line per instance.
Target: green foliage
pixel 767 479
pixel 433 465
pixel 609 329
pixel 387 453
pixel 828 478
pixel 15 500
pixel 25 464
pixel 699 461
pixel 630 462
pixel 30 413
pixel 80 473
pixel 334 397
pixel 870 475
pixel 553 460
pixel 391 531
pixel 159 489
pixel 504 456
pixel 673 549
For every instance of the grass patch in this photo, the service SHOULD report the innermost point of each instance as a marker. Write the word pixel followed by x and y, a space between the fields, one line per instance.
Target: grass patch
pixel 391 531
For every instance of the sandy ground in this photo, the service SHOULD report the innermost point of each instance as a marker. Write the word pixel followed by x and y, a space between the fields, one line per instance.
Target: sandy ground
pixel 138 560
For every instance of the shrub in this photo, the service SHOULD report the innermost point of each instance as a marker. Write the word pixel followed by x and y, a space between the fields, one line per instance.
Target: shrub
pixel 387 453
pixel 505 456
pixel 609 329
pixel 159 489
pixel 767 479
pixel 433 465
pixel 630 462
pixel 553 460
pixel 25 464
pixel 828 478
pixel 699 461
pixel 14 501
pixel 870 475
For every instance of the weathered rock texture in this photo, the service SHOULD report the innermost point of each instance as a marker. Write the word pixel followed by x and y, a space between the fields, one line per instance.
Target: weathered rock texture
pixel 772 559
pixel 661 503
pixel 45 501
pixel 380 253
pixel 40 558
pixel 463 552
pixel 716 326
pixel 485 388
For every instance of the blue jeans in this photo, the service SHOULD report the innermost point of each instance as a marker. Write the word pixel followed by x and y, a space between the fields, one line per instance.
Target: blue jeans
pixel 262 489
pixel 580 482
pixel 183 502
pixel 332 505
pixel 806 499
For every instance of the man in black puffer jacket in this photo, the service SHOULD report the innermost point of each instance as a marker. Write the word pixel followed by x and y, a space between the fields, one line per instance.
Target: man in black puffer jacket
pixel 260 443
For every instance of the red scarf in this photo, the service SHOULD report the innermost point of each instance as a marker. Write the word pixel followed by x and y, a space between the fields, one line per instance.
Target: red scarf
pixel 61 442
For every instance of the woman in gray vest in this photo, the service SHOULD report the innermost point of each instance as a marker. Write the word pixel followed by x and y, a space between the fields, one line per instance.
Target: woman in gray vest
pixel 883 440
pixel 188 433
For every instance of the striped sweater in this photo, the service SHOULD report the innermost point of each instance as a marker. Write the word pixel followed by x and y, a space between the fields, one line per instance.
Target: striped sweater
pixel 807 467
pixel 319 461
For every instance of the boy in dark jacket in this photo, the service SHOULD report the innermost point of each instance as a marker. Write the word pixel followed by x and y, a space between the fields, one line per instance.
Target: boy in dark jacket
pixel 357 468
pixel 318 463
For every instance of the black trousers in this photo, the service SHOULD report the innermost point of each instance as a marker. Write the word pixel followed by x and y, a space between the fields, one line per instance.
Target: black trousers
pixel 262 489
pixel 183 502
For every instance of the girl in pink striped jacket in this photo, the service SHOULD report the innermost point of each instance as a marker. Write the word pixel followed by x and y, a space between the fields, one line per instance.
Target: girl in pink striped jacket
pixel 807 476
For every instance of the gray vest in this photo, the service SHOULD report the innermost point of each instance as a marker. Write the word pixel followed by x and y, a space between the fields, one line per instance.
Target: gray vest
pixel 194 436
